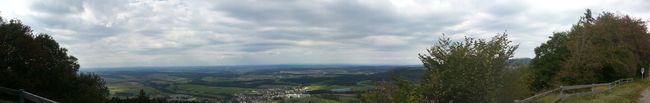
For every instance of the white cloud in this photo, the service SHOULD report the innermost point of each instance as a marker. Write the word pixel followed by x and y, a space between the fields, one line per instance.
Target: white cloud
pixel 230 32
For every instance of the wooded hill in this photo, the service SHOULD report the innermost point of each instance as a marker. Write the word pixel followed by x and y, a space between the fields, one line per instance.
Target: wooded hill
pixel 595 50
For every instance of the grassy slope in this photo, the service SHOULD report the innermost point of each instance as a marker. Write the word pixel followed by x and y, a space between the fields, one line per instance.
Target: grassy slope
pixel 627 93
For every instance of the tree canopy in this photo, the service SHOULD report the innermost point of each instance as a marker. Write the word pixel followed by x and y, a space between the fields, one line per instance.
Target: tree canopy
pixel 466 71
pixel 37 64
pixel 594 50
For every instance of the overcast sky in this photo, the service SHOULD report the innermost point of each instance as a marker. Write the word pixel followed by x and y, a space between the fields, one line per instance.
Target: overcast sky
pixel 118 33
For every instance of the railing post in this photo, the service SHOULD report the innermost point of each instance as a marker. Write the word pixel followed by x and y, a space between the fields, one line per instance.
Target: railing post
pixel 561 93
pixel 21 96
pixel 593 91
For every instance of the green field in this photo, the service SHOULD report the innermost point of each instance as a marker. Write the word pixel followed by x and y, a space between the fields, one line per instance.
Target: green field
pixel 324 84
pixel 210 91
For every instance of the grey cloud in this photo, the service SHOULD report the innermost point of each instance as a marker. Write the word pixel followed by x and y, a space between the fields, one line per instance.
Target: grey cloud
pixel 263 46
pixel 84 31
pixel 303 12
pixel 158 32
pixel 60 7
pixel 348 18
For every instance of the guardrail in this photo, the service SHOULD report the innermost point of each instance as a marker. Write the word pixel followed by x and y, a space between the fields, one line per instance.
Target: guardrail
pixel 561 90
pixel 25 95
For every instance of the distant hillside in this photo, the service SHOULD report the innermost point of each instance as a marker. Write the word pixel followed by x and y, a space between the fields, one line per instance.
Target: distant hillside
pixel 519 61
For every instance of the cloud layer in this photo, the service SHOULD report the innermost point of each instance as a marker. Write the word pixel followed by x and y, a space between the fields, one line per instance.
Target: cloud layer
pixel 112 33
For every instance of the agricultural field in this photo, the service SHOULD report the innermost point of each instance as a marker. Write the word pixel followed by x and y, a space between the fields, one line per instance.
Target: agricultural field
pixel 321 83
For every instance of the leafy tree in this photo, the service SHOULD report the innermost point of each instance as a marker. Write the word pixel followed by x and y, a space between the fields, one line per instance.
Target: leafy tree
pixel 548 60
pixel 516 84
pixel 601 49
pixel 37 64
pixel 468 71
pixel 142 96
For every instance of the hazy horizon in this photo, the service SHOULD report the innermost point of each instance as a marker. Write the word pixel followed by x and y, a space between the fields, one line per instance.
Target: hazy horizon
pixel 250 65
pixel 134 33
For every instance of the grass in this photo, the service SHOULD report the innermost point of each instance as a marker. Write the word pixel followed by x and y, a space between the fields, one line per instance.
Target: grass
pixel 318 87
pixel 132 88
pixel 626 93
pixel 203 90
pixel 548 99
pixel 114 90
pixel 168 78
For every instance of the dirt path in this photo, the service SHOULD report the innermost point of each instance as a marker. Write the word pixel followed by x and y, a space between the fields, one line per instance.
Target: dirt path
pixel 645 96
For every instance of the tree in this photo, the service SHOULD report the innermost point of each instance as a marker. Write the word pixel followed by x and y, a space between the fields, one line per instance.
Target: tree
pixel 601 49
pixel 548 59
pixel 142 97
pixel 468 71
pixel 37 64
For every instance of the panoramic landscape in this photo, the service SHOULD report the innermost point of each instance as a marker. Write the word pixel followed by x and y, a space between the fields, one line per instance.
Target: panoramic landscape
pixel 251 83
pixel 324 51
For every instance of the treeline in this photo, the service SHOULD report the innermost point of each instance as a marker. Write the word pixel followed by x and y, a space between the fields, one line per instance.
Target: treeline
pixel 37 64
pixel 595 50
pixel 143 98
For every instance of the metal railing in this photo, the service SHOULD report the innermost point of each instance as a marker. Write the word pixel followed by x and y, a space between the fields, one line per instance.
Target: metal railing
pixel 25 95
pixel 561 90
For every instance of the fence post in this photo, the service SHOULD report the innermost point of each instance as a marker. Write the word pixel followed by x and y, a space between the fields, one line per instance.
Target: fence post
pixel 21 96
pixel 561 93
pixel 593 91
pixel 609 87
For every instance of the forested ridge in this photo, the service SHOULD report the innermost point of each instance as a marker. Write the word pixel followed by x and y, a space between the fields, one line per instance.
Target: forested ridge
pixel 595 50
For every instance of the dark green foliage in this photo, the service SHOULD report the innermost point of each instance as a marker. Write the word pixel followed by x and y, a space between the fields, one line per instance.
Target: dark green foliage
pixel 604 49
pixel 470 71
pixel 150 100
pixel 595 50
pixel 39 65
pixel 516 84
pixel 548 60
pixel 398 90
pixel 142 97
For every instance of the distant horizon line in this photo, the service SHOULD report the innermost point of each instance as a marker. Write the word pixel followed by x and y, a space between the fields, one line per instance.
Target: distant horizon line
pixel 233 65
